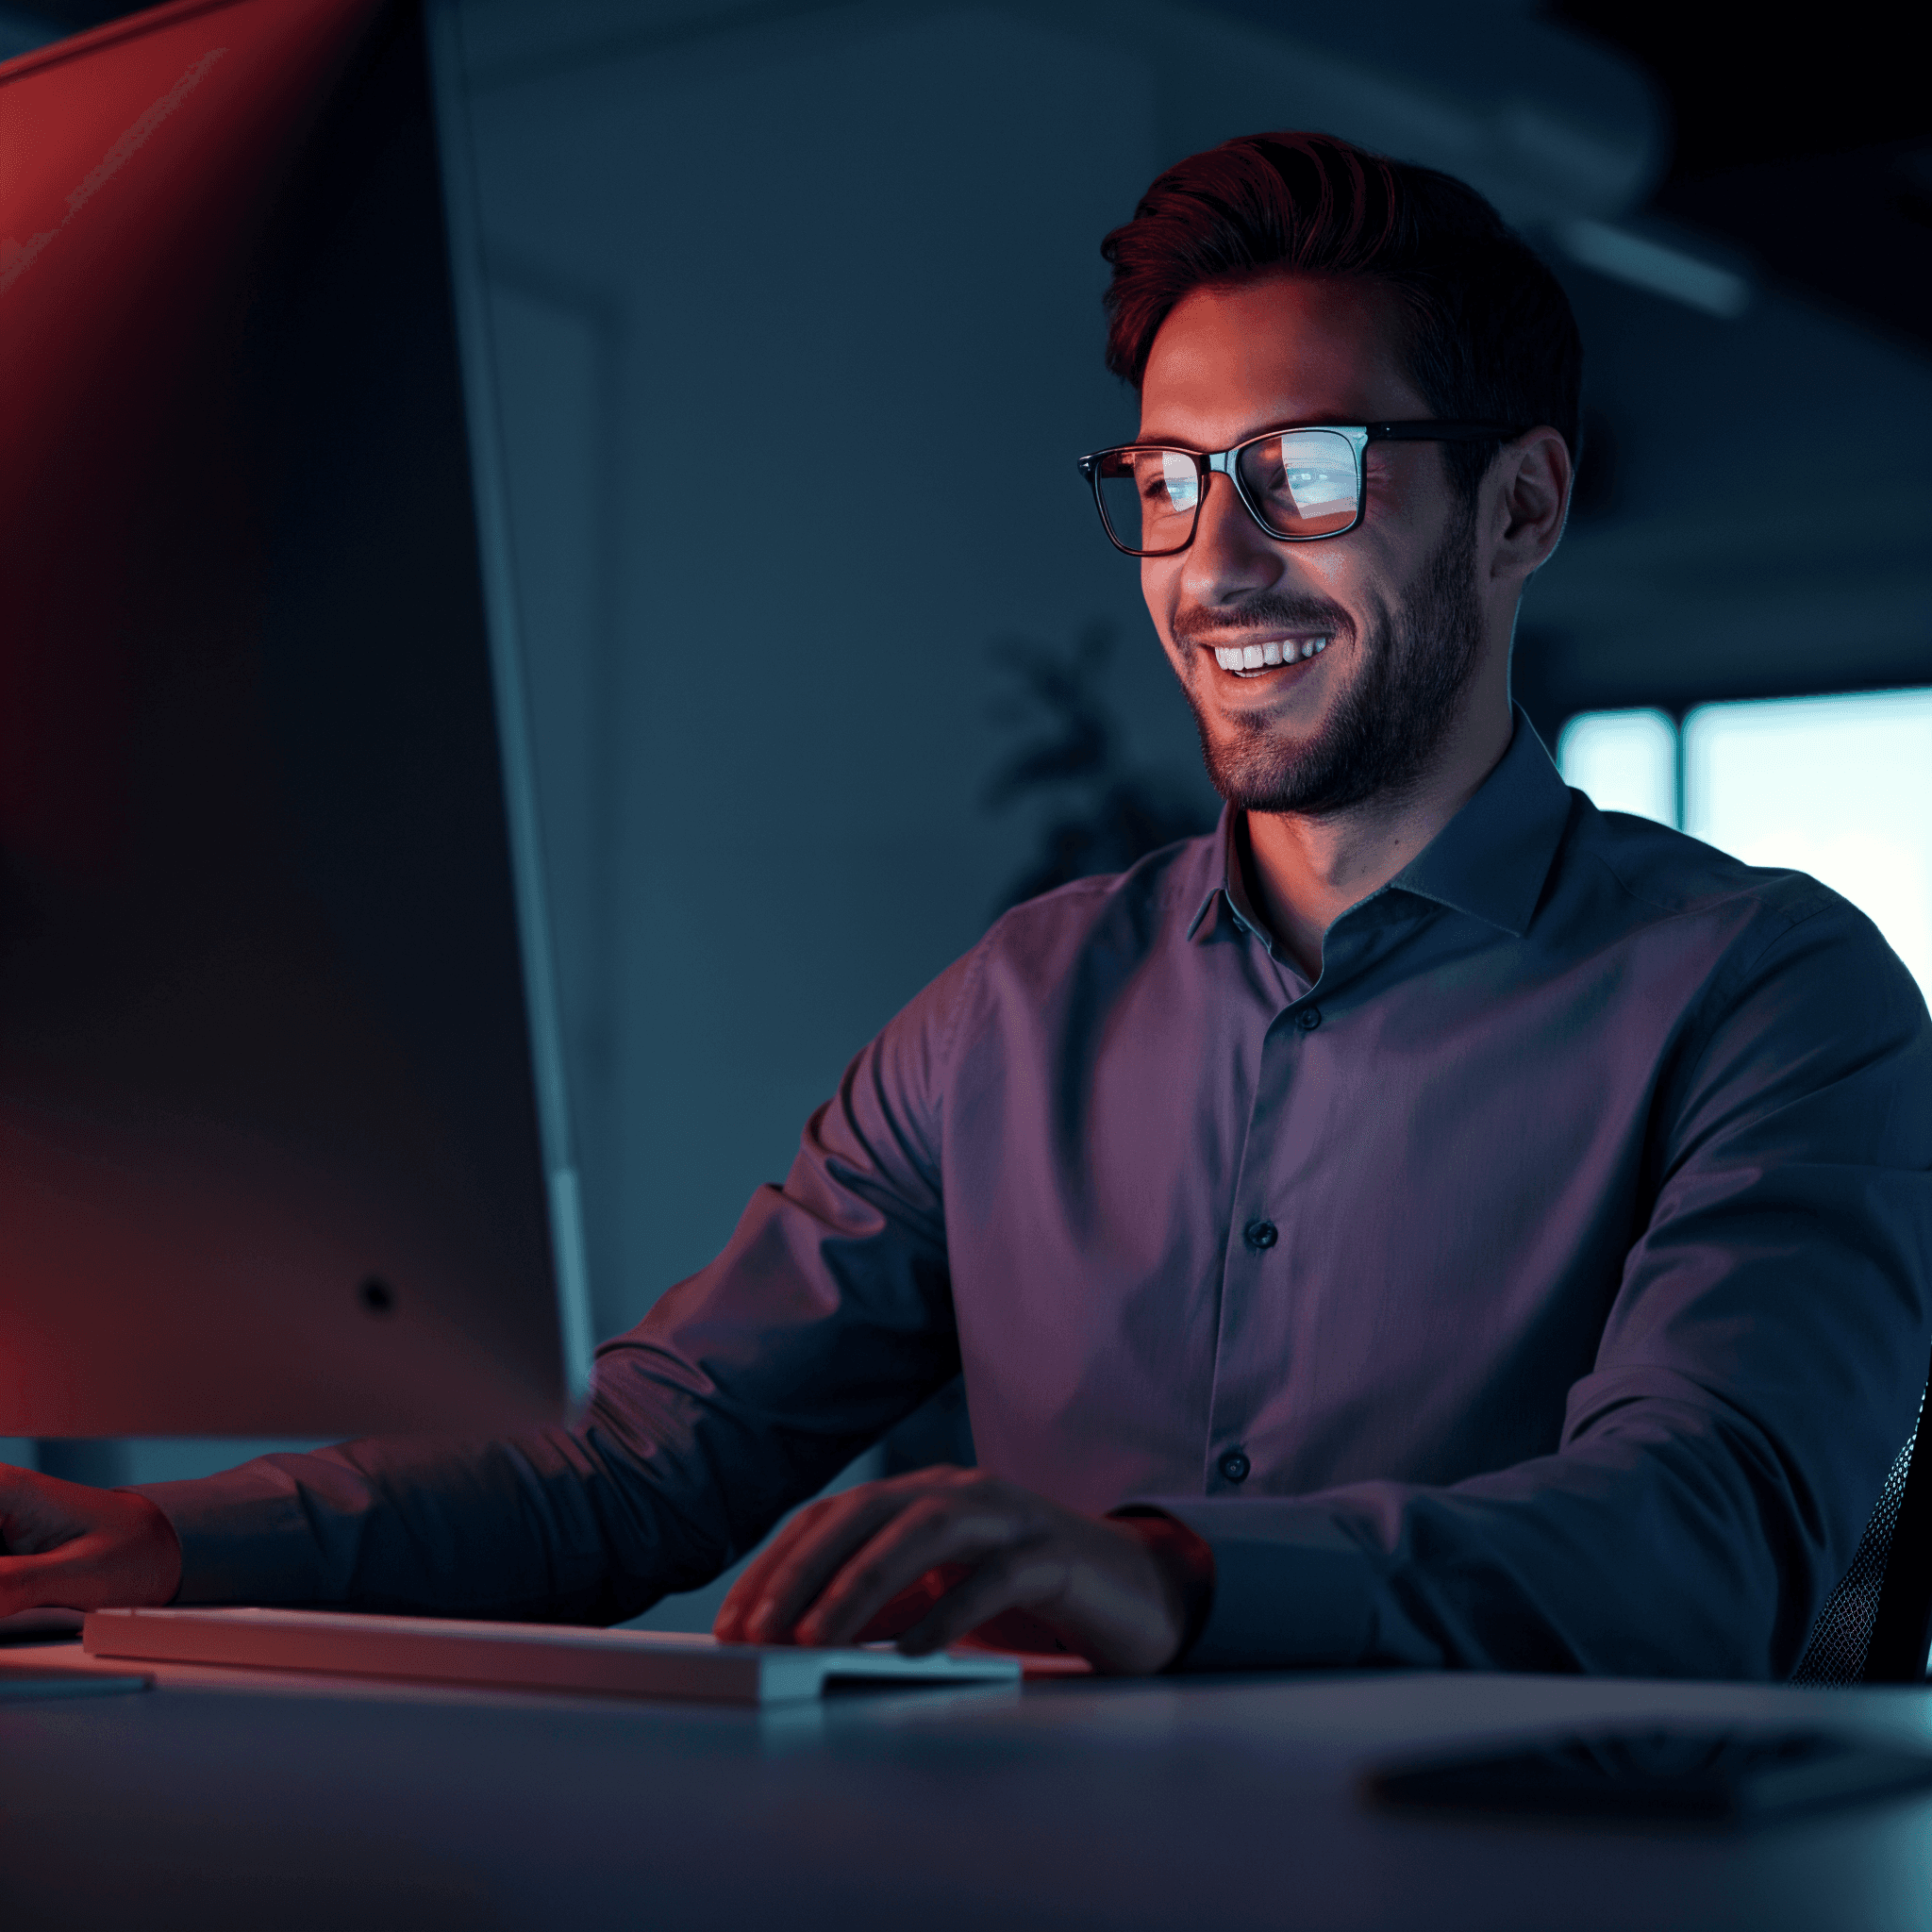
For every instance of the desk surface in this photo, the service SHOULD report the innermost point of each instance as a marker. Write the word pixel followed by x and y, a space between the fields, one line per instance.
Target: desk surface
pixel 223 1799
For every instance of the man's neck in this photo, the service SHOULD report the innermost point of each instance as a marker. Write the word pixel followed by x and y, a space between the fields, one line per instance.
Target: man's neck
pixel 1303 872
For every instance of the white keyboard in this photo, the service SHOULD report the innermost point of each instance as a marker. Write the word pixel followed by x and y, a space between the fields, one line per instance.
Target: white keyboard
pixel 523 1657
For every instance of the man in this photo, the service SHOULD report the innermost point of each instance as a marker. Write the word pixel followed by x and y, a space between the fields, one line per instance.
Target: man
pixel 1427 1220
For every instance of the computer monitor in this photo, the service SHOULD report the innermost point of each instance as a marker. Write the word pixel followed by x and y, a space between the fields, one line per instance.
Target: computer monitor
pixel 283 1138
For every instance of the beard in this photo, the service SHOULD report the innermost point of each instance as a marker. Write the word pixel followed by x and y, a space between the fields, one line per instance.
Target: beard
pixel 1384 730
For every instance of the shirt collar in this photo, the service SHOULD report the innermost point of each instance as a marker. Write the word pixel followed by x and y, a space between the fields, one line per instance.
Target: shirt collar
pixel 1489 860
pixel 1492 858
pixel 1221 894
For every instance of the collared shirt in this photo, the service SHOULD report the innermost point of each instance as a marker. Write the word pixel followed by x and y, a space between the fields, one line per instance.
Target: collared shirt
pixel 1548 1286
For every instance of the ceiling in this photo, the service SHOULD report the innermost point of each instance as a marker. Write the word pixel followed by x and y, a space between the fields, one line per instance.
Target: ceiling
pixel 1811 151
pixel 1703 561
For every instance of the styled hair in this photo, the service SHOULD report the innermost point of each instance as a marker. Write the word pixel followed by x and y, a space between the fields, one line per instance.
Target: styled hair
pixel 1487 332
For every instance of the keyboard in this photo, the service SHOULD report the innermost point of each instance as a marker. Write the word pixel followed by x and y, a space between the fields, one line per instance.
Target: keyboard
pixel 523 1657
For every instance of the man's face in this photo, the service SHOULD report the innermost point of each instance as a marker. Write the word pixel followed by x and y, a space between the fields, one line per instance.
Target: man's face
pixel 1394 600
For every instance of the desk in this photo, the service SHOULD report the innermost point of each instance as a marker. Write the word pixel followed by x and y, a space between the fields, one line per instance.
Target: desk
pixel 216 1800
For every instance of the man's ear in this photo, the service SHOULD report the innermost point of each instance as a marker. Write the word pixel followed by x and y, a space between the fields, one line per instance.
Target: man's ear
pixel 1531 479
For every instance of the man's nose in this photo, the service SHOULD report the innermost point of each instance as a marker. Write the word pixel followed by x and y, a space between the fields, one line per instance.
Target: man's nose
pixel 1231 554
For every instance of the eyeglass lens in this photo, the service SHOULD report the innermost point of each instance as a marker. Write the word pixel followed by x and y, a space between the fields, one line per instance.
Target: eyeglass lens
pixel 1302 483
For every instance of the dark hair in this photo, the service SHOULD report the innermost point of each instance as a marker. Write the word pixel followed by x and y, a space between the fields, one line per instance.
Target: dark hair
pixel 1488 337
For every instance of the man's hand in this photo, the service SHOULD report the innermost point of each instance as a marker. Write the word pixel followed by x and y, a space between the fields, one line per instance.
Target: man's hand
pixel 68 1546
pixel 1097 1585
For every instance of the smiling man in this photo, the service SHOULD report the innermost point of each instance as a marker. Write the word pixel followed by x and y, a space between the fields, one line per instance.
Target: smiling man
pixel 1426 1221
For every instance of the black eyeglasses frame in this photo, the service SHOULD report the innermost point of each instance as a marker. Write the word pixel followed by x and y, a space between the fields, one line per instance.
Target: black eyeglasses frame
pixel 1208 462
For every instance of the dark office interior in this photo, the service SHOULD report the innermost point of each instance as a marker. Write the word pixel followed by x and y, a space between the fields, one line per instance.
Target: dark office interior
pixel 702 226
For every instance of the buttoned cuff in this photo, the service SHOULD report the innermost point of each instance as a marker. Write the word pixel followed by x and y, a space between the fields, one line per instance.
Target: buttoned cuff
pixel 1291 1590
pixel 1186 1556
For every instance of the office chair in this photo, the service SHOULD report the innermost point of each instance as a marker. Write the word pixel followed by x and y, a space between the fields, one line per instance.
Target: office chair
pixel 1877 1624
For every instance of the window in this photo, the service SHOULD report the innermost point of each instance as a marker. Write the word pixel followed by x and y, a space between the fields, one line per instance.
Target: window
pixel 1838 787
pixel 1626 761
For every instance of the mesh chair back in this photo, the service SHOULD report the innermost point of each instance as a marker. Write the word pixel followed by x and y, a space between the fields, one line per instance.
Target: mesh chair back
pixel 1873 1627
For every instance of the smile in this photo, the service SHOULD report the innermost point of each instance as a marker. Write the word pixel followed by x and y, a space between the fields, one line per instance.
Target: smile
pixel 1245 660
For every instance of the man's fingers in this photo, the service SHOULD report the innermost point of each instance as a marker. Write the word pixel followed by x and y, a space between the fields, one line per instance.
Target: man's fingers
pixel 1014 1580
pixel 899 1613
pixel 983 1548
pixel 19 1582
pixel 730 1625
pixel 56 1581
pixel 936 1529
pixel 79 1576
pixel 78 1548
pixel 767 1601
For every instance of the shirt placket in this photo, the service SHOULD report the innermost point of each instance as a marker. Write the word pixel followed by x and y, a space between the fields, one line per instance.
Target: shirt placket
pixel 1250 1350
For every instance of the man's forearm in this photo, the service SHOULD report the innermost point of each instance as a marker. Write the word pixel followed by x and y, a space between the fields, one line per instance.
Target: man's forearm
pixel 550 1524
pixel 1674 1547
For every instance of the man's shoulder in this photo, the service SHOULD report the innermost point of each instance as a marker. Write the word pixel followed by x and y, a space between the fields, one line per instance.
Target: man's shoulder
pixel 1667 874
pixel 1158 894
pixel 1079 941
pixel 1662 881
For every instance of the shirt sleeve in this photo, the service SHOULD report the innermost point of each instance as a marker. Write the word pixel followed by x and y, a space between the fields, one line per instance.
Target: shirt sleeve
pixel 826 1318
pixel 1762 1362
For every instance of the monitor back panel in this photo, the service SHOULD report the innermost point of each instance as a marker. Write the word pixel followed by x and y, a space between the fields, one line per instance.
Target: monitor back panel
pixel 269 1151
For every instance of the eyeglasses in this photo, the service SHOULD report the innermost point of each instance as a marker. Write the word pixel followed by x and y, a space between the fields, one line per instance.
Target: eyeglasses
pixel 1299 484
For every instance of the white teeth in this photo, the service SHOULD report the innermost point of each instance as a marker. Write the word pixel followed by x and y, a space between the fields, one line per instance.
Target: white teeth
pixel 1259 657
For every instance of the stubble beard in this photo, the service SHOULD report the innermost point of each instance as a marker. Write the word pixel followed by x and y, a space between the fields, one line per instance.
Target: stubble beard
pixel 1384 732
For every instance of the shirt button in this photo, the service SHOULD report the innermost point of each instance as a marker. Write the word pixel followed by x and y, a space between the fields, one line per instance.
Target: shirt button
pixel 1235 1466
pixel 1260 1235
pixel 1309 1018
